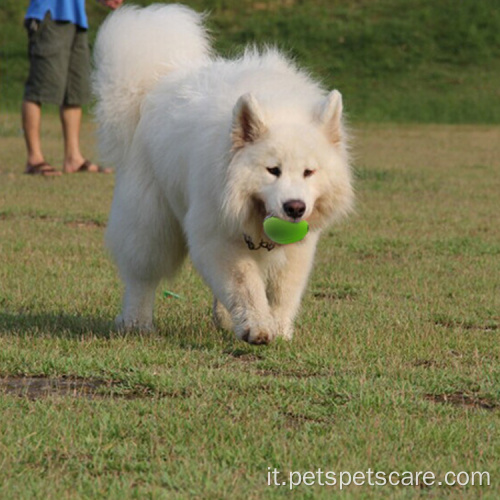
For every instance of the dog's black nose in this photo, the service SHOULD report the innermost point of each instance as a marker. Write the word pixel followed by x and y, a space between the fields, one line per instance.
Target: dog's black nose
pixel 294 208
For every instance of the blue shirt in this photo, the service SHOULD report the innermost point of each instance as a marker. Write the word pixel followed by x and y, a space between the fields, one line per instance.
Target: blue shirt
pixel 60 10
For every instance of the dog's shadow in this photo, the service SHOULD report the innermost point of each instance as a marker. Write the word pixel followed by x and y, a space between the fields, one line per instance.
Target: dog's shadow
pixel 73 326
pixel 54 324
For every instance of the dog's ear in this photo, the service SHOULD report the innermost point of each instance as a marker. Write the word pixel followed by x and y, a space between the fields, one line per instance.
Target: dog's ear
pixel 330 116
pixel 248 121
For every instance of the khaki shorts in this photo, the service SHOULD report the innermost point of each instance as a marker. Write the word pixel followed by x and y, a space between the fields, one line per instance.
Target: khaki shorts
pixel 59 63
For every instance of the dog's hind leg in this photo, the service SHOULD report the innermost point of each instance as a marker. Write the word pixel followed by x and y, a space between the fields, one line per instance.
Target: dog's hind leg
pixel 138 304
pixel 147 244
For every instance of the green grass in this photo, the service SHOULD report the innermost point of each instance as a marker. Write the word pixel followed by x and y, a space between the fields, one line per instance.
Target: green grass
pixel 394 60
pixel 394 366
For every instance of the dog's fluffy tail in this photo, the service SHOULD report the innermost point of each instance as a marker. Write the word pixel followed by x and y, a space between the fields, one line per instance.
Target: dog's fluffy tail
pixel 133 49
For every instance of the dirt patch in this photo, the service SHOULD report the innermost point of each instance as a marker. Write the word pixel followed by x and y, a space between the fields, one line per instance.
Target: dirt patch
pixel 289 373
pixel 426 363
pixel 76 223
pixel 464 400
pixel 466 325
pixel 301 418
pixel 334 294
pixel 85 224
pixel 244 356
pixel 43 387
pixel 40 387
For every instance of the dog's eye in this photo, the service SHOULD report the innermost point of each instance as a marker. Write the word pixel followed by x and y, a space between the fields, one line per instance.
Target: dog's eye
pixel 276 171
pixel 308 172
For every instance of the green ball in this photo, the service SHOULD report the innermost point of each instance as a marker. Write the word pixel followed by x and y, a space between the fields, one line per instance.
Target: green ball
pixel 284 232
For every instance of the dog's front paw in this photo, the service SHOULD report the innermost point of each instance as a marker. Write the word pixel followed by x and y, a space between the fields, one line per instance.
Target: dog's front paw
pixel 257 337
pixel 254 335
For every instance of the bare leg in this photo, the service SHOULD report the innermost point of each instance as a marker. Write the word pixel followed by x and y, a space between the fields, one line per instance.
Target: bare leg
pixel 71 118
pixel 32 119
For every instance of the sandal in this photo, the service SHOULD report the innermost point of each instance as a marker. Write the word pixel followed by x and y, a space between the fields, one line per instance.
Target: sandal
pixel 86 167
pixel 43 168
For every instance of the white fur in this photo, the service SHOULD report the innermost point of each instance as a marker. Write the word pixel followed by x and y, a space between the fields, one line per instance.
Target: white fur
pixel 193 137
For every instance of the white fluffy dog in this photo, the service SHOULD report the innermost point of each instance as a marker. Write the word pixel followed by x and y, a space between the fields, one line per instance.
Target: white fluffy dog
pixel 205 149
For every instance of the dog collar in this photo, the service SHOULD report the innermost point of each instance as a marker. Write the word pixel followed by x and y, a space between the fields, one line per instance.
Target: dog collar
pixel 263 244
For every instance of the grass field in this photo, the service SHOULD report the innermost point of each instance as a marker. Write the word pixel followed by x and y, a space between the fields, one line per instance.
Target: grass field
pixel 395 362
pixel 393 60
pixel 394 366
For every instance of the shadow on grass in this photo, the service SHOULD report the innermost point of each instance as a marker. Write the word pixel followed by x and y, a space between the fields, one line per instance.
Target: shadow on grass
pixel 73 326
pixel 54 324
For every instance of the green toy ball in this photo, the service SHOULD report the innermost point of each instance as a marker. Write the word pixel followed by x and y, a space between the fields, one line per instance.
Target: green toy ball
pixel 284 232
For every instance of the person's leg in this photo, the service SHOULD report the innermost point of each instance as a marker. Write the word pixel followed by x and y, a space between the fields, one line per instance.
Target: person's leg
pixel 71 117
pixel 32 118
pixel 41 86
pixel 77 93
pixel 74 161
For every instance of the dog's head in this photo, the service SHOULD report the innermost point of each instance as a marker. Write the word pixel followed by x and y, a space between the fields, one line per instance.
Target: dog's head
pixel 288 166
